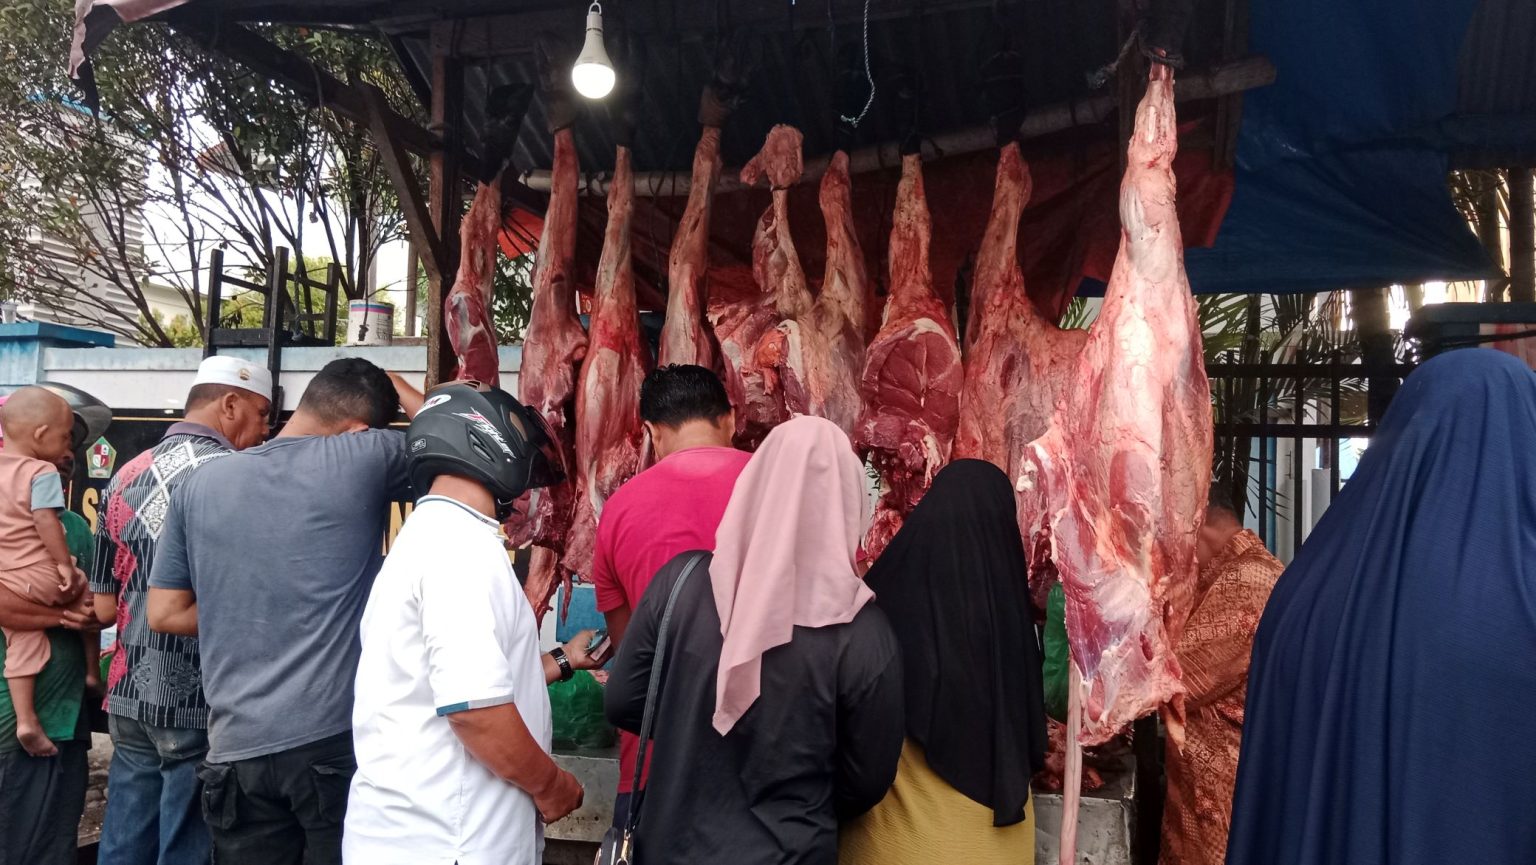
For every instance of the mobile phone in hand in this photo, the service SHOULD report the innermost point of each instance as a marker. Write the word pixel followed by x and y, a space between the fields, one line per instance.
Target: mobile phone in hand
pixel 599 647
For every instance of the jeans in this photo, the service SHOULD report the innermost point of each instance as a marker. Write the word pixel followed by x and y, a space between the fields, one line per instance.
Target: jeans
pixel 153 816
pixel 280 809
pixel 41 799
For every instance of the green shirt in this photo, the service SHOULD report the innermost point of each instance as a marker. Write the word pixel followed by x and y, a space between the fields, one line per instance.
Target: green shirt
pixel 61 684
pixel 1056 653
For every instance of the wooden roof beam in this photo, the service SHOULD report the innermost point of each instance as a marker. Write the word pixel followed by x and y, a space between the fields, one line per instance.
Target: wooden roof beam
pixel 418 217
pixel 1242 75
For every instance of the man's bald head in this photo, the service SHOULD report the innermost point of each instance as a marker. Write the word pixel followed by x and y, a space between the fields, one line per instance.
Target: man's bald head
pixel 37 423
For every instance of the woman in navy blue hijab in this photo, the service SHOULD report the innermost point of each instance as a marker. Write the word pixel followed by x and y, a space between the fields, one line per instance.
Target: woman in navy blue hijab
pixel 1391 714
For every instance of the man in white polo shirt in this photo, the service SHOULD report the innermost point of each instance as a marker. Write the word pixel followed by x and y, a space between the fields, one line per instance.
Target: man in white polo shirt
pixel 451 719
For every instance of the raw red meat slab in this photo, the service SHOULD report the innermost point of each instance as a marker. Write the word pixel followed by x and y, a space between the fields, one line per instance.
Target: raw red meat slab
pixel 912 372
pixel 811 364
pixel 1119 481
pixel 683 336
pixel 1017 363
pixel 552 351
pixel 608 430
pixel 467 309
pixel 739 325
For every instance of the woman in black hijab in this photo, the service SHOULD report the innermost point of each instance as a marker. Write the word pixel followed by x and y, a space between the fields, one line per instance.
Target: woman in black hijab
pixel 953 584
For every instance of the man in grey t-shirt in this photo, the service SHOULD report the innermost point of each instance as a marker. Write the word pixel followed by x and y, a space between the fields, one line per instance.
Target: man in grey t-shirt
pixel 268 556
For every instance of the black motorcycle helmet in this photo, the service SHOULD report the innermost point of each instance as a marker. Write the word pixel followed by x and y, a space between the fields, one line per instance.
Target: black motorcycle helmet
pixel 482 433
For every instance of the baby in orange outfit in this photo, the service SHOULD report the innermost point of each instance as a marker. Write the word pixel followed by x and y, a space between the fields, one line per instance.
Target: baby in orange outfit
pixel 34 556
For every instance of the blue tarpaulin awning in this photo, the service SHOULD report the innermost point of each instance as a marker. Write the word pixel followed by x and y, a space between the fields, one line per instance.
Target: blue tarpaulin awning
pixel 1342 162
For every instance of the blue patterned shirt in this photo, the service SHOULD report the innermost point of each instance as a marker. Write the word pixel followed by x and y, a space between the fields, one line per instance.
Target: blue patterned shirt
pixel 155 678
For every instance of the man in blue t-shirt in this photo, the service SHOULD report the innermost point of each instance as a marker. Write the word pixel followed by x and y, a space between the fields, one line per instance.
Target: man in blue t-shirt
pixel 267 556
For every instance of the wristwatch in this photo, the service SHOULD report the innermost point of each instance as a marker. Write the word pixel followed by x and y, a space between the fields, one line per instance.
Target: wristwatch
pixel 566 671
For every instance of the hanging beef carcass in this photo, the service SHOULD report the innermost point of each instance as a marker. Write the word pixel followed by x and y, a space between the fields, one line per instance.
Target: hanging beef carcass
pixel 994 355
pixel 912 372
pixel 552 351
pixel 845 288
pixel 1018 364
pixel 683 337
pixel 467 309
pixel 1119 481
pixel 739 325
pixel 811 364
pixel 608 430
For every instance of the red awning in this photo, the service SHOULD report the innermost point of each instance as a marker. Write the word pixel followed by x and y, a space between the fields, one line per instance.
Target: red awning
pixel 520 233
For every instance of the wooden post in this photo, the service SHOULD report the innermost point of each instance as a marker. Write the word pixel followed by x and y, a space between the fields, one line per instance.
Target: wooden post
pixel 1147 746
pixel 215 298
pixel 445 203
pixel 277 288
pixel 411 277
pixel 417 211
pixel 1522 238
pixel 333 293
pixel 1487 208
pixel 1368 308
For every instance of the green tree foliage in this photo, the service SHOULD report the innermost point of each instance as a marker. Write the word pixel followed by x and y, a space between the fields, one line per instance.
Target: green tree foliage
pixel 513 301
pixel 189 152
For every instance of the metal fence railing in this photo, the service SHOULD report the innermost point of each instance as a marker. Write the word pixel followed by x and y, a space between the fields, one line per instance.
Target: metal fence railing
pixel 1280 430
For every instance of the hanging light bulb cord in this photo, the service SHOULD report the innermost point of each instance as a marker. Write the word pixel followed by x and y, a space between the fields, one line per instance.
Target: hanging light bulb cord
pixel 868 76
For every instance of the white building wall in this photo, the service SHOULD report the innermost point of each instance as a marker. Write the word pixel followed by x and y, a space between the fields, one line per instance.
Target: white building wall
pixel 157 379
pixel 71 278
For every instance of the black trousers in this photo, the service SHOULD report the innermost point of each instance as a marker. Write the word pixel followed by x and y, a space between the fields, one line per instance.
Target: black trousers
pixel 41 799
pixel 280 809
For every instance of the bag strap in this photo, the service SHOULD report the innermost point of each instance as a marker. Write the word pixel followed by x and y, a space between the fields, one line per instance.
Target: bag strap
pixel 637 794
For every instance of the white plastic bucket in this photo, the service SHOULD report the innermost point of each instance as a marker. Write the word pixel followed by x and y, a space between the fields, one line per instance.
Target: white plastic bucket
pixel 370 322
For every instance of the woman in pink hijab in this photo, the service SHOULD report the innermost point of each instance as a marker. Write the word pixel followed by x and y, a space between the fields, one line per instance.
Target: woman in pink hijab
pixel 780 710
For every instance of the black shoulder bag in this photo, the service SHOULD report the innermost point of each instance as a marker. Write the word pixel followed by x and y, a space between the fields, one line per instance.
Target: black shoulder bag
pixel 619 844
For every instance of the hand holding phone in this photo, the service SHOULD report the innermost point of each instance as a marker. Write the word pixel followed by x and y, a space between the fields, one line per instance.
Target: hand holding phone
pixel 599 647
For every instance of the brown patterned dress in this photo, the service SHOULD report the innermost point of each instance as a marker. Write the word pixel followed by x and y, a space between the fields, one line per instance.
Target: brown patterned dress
pixel 1213 652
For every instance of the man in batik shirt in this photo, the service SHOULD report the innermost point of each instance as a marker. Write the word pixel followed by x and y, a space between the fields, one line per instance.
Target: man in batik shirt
pixel 155 706
pixel 1236 574
pixel 1235 579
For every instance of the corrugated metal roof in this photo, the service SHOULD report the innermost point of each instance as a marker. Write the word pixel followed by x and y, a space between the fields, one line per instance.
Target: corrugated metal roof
pixel 799 79
pixel 942 42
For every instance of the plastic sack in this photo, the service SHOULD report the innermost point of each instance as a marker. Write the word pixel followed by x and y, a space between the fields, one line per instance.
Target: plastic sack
pixel 577 708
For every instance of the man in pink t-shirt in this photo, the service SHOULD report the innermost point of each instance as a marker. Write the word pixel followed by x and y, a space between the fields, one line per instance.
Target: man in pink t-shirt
pixel 670 508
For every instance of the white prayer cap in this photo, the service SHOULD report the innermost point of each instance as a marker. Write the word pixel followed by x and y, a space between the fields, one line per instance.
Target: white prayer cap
pixel 235 372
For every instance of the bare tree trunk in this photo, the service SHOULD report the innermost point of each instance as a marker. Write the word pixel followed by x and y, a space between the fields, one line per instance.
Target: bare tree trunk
pixel 1522 237
pixel 1373 322
pixel 1414 294
pixel 1488 224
